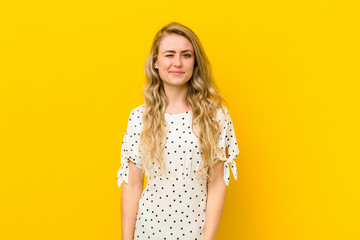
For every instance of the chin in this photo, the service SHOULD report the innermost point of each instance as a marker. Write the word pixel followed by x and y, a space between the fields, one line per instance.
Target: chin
pixel 174 83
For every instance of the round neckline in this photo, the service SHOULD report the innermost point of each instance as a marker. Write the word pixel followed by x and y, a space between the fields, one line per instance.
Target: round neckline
pixel 177 114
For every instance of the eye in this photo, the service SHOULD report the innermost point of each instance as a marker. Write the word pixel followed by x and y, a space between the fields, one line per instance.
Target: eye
pixel 187 55
pixel 169 55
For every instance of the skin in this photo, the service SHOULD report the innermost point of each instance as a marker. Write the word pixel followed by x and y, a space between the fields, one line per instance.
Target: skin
pixel 176 53
pixel 130 195
pixel 215 202
pixel 172 57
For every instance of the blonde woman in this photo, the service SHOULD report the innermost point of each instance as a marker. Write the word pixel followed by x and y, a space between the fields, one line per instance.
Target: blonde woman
pixel 182 138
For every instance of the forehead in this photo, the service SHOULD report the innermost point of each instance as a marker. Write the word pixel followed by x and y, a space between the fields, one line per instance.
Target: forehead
pixel 174 42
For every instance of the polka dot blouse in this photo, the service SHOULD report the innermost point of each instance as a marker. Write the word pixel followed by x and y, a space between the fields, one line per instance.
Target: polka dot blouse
pixel 172 206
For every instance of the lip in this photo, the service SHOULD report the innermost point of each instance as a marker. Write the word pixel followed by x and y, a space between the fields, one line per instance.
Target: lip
pixel 176 72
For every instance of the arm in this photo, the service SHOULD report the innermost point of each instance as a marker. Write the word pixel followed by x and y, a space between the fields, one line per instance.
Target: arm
pixel 215 201
pixel 130 196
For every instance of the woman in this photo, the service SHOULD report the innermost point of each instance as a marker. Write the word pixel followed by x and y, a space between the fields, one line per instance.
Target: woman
pixel 176 138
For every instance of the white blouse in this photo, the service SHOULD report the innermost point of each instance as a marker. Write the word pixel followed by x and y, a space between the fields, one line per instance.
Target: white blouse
pixel 173 206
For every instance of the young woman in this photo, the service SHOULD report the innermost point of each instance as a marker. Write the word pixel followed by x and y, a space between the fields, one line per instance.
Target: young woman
pixel 183 139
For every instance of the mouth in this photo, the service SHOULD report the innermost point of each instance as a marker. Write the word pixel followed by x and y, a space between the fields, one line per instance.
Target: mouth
pixel 176 72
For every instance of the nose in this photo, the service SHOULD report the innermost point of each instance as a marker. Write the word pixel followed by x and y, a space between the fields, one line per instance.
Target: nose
pixel 177 61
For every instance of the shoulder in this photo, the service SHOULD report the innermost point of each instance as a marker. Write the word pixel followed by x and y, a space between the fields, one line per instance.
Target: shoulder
pixel 222 113
pixel 136 114
pixel 139 110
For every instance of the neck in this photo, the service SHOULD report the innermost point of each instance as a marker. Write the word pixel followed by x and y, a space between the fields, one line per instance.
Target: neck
pixel 176 96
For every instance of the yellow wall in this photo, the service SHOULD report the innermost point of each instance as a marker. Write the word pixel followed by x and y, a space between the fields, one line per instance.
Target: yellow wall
pixel 71 71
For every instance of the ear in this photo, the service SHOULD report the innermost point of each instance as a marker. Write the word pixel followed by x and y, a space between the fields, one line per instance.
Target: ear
pixel 155 65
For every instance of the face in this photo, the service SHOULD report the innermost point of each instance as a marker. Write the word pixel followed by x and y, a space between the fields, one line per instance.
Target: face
pixel 175 61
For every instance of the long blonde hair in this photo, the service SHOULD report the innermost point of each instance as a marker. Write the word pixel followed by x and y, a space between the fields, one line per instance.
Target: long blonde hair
pixel 202 98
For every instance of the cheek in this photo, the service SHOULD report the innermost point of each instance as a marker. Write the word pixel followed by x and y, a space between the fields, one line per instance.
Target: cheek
pixel 191 65
pixel 192 62
pixel 164 64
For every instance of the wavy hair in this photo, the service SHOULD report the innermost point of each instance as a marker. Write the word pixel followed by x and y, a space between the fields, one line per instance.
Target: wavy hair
pixel 203 99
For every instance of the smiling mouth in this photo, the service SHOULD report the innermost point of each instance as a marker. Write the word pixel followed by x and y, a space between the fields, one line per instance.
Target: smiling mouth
pixel 176 73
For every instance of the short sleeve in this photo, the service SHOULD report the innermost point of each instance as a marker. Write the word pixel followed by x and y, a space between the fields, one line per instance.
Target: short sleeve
pixel 130 148
pixel 227 139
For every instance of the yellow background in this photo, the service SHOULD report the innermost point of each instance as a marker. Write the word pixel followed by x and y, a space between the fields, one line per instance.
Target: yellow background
pixel 71 72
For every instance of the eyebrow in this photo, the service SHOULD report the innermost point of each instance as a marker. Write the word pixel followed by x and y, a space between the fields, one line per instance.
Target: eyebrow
pixel 172 51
